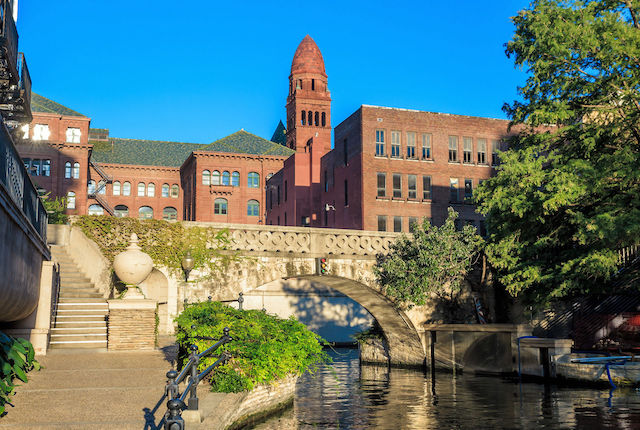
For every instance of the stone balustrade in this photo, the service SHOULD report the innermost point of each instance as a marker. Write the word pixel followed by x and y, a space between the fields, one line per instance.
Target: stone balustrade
pixel 318 241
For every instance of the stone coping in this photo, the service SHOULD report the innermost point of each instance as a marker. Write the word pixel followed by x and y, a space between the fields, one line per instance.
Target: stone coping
pixel 546 343
pixel 487 328
pixel 132 304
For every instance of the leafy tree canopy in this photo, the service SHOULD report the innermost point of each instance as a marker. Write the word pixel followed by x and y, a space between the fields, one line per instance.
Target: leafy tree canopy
pixel 567 194
pixel 434 260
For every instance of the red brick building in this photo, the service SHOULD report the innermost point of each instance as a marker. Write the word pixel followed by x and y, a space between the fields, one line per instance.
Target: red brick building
pixel 389 167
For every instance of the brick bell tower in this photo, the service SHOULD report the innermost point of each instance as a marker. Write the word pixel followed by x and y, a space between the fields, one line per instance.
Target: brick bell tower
pixel 309 101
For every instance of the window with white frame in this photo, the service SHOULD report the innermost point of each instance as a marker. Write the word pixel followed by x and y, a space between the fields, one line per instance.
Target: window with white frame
pixel 411 144
pixel 235 179
pixel 71 200
pixel 116 188
pixel 73 135
pixel 175 191
pixel 453 149
pixel 206 177
pixel 76 170
pixel 126 189
pixel 67 170
pixel 467 147
pixel 426 147
pixel 165 190
pixel 482 151
pixel 141 189
pixel 41 132
pixel 380 143
pixel 395 144
pixel 151 190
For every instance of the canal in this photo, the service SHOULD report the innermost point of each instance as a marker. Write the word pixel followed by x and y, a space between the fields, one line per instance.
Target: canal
pixel 345 395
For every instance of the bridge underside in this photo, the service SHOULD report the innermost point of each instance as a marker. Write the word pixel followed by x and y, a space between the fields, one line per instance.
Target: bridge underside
pixel 405 346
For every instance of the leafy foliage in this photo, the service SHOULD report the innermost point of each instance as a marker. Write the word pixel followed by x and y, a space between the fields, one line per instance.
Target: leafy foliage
pixel 55 209
pixel 435 260
pixel 16 359
pixel 165 242
pixel 566 196
pixel 264 349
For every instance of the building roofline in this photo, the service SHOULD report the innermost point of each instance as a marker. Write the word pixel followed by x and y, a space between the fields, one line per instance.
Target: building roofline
pixel 434 113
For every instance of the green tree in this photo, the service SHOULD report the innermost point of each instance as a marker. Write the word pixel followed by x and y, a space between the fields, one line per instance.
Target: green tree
pixel 434 260
pixel 566 196
pixel 55 209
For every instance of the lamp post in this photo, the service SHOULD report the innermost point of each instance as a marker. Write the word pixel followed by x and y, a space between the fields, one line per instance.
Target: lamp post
pixel 187 265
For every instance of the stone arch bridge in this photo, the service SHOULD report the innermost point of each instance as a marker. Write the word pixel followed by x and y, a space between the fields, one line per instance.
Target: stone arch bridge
pixel 270 253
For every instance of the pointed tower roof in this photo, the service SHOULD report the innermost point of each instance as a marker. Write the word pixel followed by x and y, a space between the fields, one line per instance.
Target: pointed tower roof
pixel 280 134
pixel 308 58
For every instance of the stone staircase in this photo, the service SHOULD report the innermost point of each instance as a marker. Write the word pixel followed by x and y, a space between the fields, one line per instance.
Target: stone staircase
pixel 80 317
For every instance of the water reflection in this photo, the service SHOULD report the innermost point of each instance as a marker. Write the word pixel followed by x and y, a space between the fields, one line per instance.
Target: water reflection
pixel 347 396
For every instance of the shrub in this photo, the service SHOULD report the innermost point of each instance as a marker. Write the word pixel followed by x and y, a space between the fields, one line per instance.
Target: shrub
pixel 264 349
pixel 16 359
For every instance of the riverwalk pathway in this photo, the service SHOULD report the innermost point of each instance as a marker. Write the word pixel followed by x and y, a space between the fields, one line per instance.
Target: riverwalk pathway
pixel 93 389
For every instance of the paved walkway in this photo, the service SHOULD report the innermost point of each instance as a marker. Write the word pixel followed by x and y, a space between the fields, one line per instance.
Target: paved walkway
pixel 93 390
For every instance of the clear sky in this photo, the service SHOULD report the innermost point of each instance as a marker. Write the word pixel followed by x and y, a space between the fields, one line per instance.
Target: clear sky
pixel 195 71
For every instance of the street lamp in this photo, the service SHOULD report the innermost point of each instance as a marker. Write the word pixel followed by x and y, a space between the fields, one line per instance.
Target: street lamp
pixel 187 265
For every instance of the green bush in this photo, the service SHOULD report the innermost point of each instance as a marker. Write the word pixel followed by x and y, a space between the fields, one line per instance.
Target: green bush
pixel 264 349
pixel 16 359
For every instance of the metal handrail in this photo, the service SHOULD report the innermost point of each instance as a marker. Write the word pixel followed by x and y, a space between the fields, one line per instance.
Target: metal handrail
pixel 175 404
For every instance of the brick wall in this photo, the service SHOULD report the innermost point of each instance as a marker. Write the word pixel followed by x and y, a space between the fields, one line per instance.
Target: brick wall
pixel 131 325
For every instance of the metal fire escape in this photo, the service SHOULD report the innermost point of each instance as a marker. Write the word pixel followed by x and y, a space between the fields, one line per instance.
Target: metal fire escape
pixel 15 81
pixel 106 179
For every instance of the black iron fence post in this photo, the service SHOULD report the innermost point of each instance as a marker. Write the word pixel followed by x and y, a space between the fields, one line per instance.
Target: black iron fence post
pixel 193 397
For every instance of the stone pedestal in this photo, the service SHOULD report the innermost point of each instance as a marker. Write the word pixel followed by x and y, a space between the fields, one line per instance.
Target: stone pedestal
pixel 132 325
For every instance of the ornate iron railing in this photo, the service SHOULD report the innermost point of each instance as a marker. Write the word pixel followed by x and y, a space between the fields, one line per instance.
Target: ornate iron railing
pixel 24 89
pixel 17 183
pixel 9 40
pixel 176 403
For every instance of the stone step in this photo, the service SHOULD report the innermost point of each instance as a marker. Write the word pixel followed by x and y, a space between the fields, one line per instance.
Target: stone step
pixel 77 295
pixel 69 344
pixel 102 310
pixel 89 330
pixel 87 316
pixel 80 323
pixel 75 284
pixel 74 276
pixel 82 300
pixel 76 337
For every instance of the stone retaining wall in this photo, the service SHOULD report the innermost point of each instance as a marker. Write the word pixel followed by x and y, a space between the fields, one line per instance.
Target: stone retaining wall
pixel 235 410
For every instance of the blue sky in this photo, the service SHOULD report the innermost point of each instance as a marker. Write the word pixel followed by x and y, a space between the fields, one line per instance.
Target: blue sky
pixel 199 70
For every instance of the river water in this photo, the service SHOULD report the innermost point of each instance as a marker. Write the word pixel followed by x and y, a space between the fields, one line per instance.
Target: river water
pixel 345 395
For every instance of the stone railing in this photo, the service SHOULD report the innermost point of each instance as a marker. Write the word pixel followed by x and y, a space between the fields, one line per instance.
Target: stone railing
pixel 319 241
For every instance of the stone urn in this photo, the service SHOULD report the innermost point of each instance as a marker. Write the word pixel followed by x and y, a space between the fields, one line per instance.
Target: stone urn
pixel 132 266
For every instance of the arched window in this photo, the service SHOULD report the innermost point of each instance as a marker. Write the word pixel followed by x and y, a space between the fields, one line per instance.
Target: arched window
pixel 310 118
pixel 253 180
pixel 116 188
pixel 303 118
pixel 126 189
pixel 175 191
pixel 324 119
pixel 235 179
pixel 121 211
pixel 220 207
pixel 165 190
pixel 317 119
pixel 91 188
pixel 253 208
pixel 76 170
pixel 206 177
pixel 215 178
pixel 141 189
pixel 145 212
pixel 71 200
pixel 169 214
pixel 67 170
pixel 151 190
pixel 225 178
pixel 96 210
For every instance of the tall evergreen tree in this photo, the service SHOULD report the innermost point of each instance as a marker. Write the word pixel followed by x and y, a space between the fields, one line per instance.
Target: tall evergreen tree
pixel 567 193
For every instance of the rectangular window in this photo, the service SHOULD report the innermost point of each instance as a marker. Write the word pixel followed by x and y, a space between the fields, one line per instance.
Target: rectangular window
pixel 482 151
pixel 453 188
pixel 468 189
pixel 397 224
pixel 73 135
pixel 453 149
pixel 412 186
pixel 426 147
pixel 346 193
pixel 46 167
pixel 411 145
pixel 27 164
pixel 326 182
pixel 278 195
pixel 41 132
pixel 495 148
pixel 382 223
pixel 345 152
pixel 285 191
pixel 35 167
pixel 413 223
pixel 426 187
pixel 467 145
pixel 397 185
pixel 382 184
pixel 380 143
pixel 395 144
